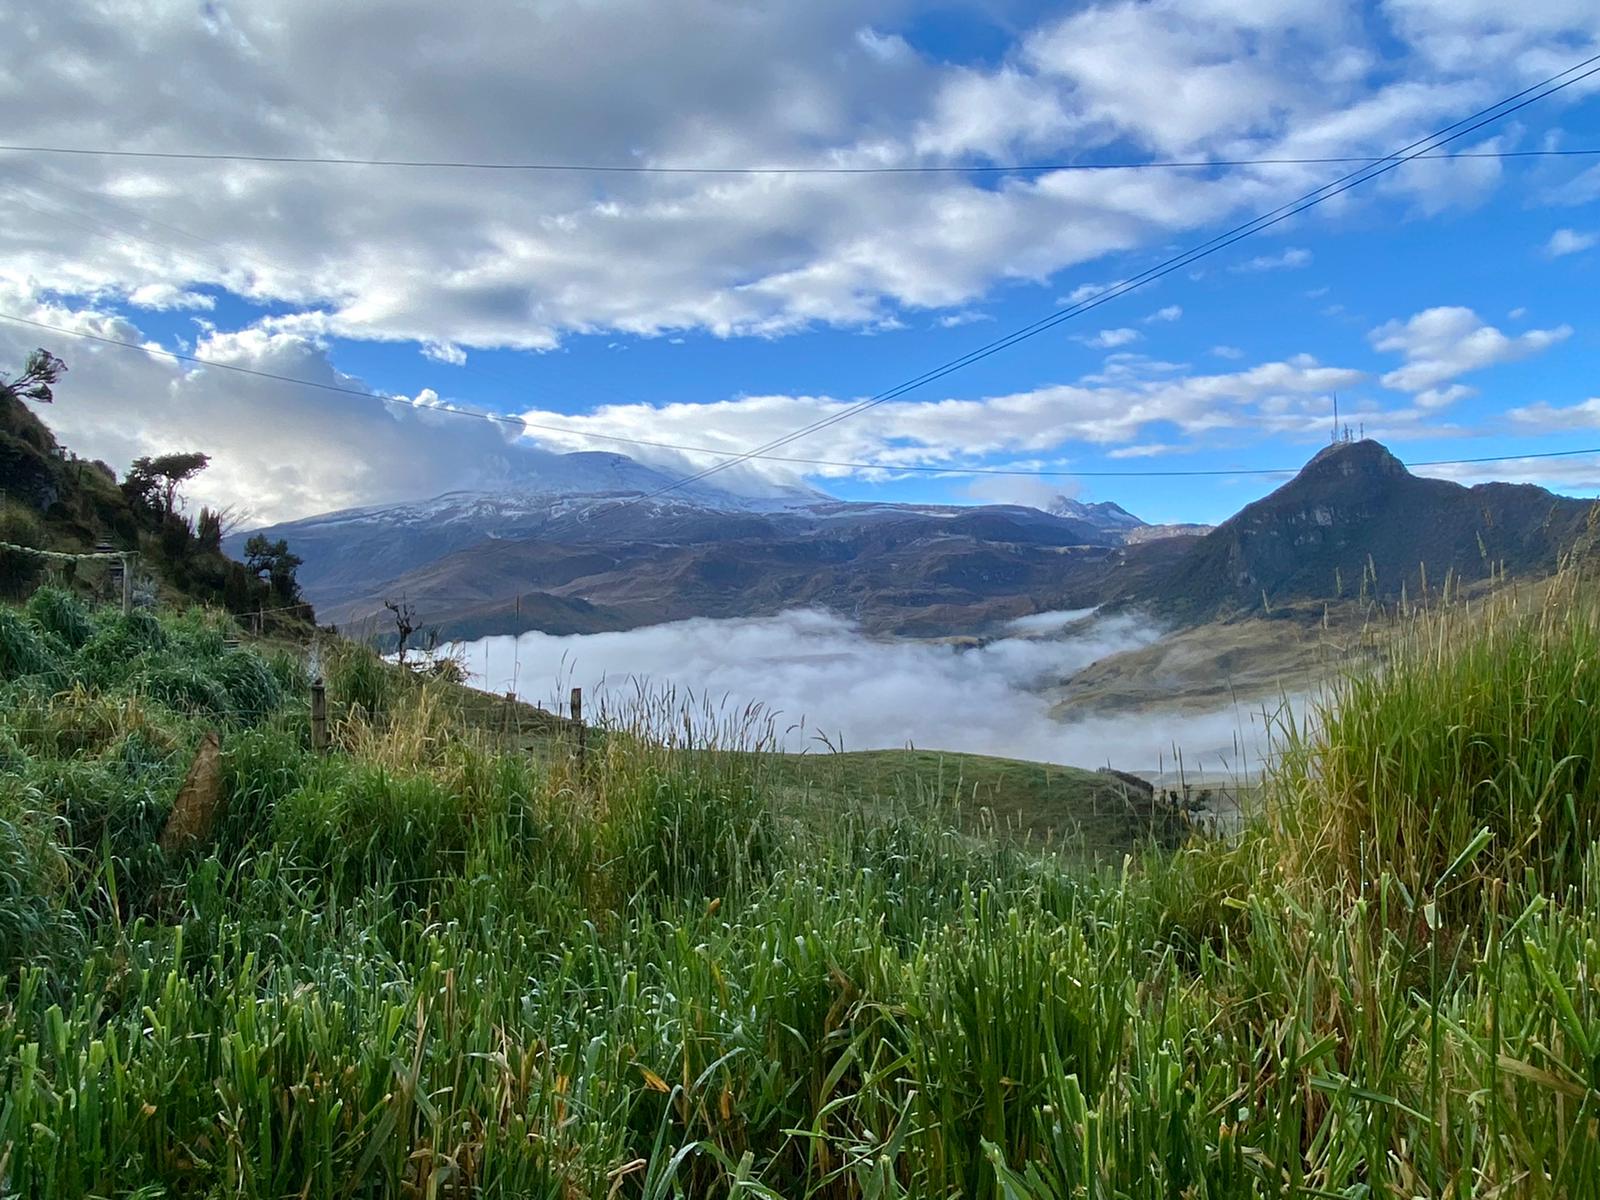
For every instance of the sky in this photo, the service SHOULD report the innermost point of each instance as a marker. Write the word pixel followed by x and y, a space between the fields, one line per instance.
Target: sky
pixel 1450 306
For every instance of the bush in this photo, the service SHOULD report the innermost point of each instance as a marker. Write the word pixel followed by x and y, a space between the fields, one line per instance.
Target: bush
pixel 38 921
pixel 357 678
pixel 19 571
pixel 252 689
pixel 360 827
pixel 61 613
pixel 24 650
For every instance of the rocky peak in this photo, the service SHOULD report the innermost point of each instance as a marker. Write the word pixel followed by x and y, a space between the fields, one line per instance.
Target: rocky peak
pixel 1366 459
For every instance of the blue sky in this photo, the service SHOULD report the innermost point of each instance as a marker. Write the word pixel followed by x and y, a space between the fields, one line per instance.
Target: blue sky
pixel 1450 305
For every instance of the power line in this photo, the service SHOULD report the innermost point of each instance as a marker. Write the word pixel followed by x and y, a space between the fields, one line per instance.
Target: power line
pixel 1408 153
pixel 1254 225
pixel 645 169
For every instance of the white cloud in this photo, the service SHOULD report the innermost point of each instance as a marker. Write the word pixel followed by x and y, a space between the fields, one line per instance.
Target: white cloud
pixel 1550 418
pixel 1170 313
pixel 818 675
pixel 278 451
pixel 1016 489
pixel 1440 344
pixel 161 297
pixel 1291 259
pixel 1144 450
pixel 966 316
pixel 1110 408
pixel 1110 339
pixel 469 260
pixel 286 451
pixel 445 352
pixel 1580 473
pixel 1569 241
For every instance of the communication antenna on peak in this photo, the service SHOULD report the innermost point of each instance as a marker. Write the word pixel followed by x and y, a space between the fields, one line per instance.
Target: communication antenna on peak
pixel 1335 439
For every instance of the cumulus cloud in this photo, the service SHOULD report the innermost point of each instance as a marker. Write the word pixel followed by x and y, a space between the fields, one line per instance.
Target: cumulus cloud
pixel 964 316
pixel 1110 339
pixel 1440 344
pixel 456 261
pixel 1553 418
pixel 1111 407
pixel 1170 313
pixel 1287 260
pixel 1569 241
pixel 817 673
pixel 1576 475
pixel 279 451
pixel 284 450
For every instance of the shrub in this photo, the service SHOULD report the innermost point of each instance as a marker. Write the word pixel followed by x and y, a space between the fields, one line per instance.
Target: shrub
pixel 361 827
pixel 19 571
pixel 24 650
pixel 252 689
pixel 357 678
pixel 61 613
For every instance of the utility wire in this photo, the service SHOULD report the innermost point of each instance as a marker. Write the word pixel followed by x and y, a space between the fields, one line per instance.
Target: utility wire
pixel 645 169
pixel 517 422
pixel 1255 225
pixel 1409 153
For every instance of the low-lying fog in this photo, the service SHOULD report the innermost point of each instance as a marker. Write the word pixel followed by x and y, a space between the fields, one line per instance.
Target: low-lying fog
pixel 821 677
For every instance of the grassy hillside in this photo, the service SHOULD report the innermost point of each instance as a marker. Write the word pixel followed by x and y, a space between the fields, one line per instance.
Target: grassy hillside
pixel 1092 812
pixel 424 965
pixel 52 499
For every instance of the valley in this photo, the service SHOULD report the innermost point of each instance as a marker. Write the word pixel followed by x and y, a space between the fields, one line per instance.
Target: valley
pixel 855 621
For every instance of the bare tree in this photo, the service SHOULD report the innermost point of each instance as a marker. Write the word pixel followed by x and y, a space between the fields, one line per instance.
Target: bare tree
pixel 405 623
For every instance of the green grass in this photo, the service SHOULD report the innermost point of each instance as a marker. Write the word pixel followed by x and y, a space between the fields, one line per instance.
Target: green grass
pixel 1079 811
pixel 427 965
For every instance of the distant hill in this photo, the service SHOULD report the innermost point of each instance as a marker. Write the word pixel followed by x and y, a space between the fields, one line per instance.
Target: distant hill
pixel 584 546
pixel 589 565
pixel 1355 522
pixel 556 557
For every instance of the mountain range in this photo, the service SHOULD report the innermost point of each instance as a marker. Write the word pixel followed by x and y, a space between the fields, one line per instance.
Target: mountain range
pixel 596 543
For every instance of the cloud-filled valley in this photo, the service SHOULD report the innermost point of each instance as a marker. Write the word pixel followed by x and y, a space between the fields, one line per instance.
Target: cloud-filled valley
pixel 824 683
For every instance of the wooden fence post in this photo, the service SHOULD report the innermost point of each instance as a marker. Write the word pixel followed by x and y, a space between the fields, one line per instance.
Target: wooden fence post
pixel 577 722
pixel 128 563
pixel 319 716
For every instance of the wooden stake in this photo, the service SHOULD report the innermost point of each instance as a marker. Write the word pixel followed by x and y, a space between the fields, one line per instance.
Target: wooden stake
pixel 319 716
pixel 577 722
pixel 128 561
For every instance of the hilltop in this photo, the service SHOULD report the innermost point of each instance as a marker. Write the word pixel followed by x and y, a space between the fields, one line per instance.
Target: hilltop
pixel 1356 523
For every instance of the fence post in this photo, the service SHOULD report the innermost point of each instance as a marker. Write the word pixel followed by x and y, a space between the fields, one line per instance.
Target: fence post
pixel 511 712
pixel 319 716
pixel 577 722
pixel 128 563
